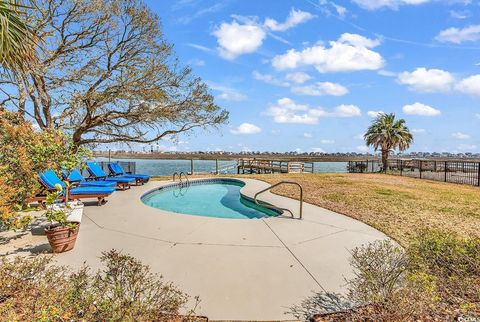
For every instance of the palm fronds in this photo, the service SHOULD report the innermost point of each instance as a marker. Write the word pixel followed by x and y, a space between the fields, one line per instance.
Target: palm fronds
pixel 387 133
pixel 17 41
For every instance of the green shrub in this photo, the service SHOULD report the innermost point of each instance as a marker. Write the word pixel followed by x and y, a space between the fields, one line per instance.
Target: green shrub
pixel 125 290
pixel 23 152
pixel 454 262
pixel 436 279
pixel 380 290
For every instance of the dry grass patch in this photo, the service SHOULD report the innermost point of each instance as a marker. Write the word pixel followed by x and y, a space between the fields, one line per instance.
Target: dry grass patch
pixel 400 207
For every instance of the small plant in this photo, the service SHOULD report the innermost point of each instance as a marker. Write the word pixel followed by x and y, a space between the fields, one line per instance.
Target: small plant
pixel 61 233
pixel 125 290
pixel 382 289
pixel 56 212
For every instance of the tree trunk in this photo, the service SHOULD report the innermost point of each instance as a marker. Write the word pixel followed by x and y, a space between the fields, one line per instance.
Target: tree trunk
pixel 76 138
pixel 385 153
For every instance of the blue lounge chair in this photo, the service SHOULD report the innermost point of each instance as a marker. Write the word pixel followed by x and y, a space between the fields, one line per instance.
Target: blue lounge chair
pixel 75 177
pixel 49 179
pixel 117 170
pixel 97 173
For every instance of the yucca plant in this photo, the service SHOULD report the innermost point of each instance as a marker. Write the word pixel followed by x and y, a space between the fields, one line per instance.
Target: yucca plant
pixel 17 40
pixel 387 134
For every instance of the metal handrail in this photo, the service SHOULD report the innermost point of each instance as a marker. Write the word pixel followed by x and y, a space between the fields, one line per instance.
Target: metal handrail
pixel 180 177
pixel 285 209
pixel 186 178
pixel 174 175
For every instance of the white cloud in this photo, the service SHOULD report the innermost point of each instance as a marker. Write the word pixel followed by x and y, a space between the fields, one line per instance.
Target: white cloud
pixel 295 17
pixel 227 94
pixel 420 109
pixel 460 136
pixel 318 150
pixel 477 115
pixel 200 47
pixel 196 62
pixel 386 73
pixel 375 113
pixel 244 35
pixel 307 135
pixel 392 4
pixel 269 79
pixel 232 96
pixel 246 128
pixel 326 7
pixel 320 89
pixel 351 52
pixel 235 39
pixel 418 131
pixel 427 80
pixel 457 36
pixel 346 111
pixel 325 141
pixel 469 85
pixel 341 11
pixel 460 14
pixel 298 77
pixel 287 111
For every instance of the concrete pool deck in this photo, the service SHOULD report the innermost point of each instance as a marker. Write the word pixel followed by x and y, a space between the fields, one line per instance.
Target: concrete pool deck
pixel 242 269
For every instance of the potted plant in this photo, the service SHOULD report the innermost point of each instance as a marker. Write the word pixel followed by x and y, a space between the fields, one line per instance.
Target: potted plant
pixel 61 232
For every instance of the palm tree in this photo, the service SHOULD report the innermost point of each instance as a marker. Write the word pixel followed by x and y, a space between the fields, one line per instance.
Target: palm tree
pixel 17 41
pixel 387 134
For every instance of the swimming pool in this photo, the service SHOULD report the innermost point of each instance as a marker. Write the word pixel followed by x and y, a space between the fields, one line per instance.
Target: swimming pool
pixel 219 198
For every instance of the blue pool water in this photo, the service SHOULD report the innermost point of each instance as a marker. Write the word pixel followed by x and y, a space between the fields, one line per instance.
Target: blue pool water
pixel 214 198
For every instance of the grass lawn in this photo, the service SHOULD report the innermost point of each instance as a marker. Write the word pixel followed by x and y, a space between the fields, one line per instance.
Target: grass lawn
pixel 398 206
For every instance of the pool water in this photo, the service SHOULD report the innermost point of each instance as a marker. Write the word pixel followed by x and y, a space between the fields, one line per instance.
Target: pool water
pixel 219 198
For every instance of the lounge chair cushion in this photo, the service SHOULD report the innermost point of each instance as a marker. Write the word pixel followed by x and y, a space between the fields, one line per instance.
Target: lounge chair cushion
pixel 76 176
pixel 50 179
pixel 96 171
pixel 117 169
pixel 91 191
pixel 120 179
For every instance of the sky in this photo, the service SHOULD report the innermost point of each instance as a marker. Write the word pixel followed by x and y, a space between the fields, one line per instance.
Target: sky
pixel 311 75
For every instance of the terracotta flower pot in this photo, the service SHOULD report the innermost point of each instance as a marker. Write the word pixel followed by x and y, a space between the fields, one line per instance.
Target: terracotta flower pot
pixel 61 238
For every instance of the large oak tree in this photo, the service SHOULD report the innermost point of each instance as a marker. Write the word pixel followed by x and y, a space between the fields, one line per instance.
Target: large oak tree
pixel 105 74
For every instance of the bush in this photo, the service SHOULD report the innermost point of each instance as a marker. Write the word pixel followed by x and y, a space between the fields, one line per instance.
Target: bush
pixel 125 290
pixel 381 290
pixel 455 264
pixel 23 152
pixel 436 279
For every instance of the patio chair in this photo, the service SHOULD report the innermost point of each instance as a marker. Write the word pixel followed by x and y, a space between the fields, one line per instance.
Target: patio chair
pixel 76 178
pixel 49 179
pixel 97 173
pixel 117 170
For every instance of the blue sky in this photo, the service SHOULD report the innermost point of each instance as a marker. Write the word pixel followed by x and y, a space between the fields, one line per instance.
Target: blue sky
pixel 309 75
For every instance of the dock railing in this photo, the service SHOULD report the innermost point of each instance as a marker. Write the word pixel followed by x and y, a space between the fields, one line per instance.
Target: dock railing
pixel 250 165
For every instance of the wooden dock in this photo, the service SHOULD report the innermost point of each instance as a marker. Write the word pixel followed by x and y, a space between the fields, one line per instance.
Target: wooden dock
pixel 252 165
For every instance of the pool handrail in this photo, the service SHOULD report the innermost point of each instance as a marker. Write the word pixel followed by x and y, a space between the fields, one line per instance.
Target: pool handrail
pixel 185 176
pixel 284 209
pixel 175 174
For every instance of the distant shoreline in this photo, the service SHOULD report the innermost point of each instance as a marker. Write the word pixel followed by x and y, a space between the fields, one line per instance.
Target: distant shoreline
pixel 200 156
pixel 279 157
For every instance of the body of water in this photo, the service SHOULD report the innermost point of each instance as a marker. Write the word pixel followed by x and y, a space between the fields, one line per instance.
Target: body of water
pixel 168 167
